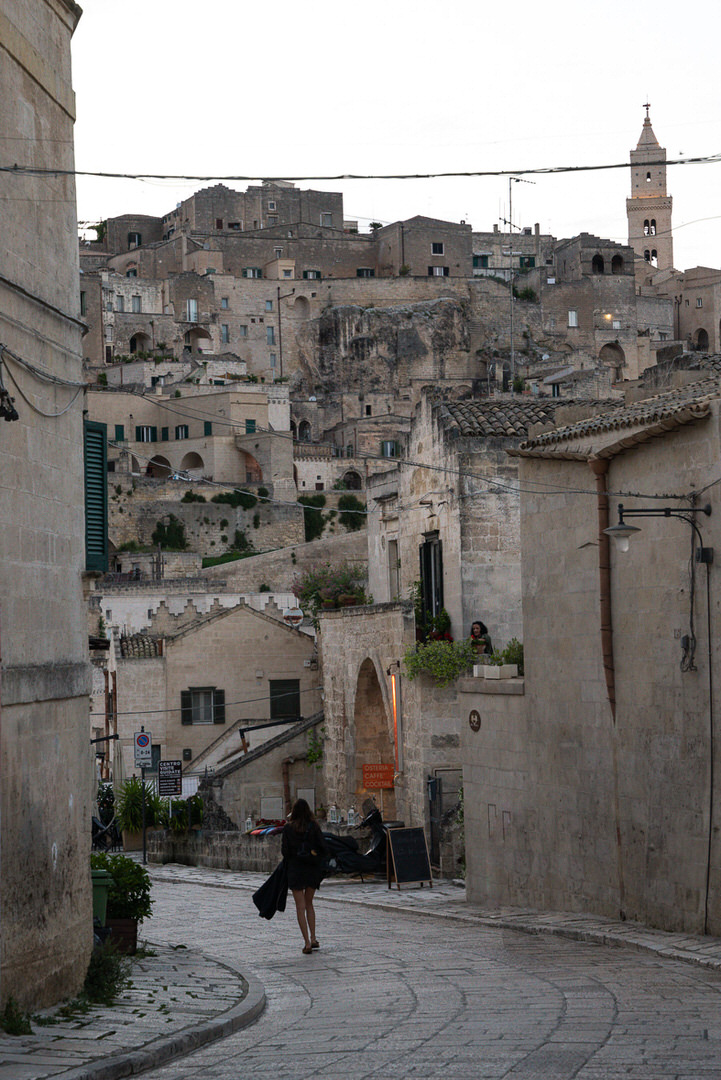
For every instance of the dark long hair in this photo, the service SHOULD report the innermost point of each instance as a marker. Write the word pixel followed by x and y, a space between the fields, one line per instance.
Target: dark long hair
pixel 301 816
pixel 477 622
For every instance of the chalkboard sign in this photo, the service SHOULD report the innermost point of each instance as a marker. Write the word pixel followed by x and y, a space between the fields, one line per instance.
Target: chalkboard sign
pixel 407 857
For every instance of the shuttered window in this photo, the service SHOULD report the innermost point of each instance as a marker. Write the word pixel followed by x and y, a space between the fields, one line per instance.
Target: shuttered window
pixel 96 496
pixel 284 699
pixel 431 559
pixel 202 705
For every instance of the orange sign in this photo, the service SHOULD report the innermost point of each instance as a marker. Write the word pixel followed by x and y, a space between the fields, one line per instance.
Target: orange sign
pixel 376 777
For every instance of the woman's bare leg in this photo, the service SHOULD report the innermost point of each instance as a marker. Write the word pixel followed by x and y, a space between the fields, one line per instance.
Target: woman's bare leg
pixel 300 911
pixel 310 911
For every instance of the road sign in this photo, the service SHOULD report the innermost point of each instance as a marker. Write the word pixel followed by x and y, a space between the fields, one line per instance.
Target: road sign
pixel 143 750
pixel 170 778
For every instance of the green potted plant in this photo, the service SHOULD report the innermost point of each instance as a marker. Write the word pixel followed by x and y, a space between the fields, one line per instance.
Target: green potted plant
pixel 443 661
pixel 129 900
pixel 129 812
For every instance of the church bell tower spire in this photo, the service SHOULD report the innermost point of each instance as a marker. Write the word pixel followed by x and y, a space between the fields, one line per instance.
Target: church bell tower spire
pixel 649 208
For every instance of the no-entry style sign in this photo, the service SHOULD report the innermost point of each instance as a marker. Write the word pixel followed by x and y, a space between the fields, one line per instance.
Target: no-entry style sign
pixel 143 749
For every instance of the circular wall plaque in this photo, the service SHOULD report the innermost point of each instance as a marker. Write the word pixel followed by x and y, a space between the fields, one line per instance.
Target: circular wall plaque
pixel 474 720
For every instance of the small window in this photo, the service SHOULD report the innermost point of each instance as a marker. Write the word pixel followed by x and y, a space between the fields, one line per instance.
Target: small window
pixel 236 226
pixel 389 448
pixel 284 699
pixel 137 304
pixel 287 273
pixel 252 272
pixel 648 177
pixel 527 262
pixel 146 433
pixel 369 410
pixel 699 302
pixel 438 271
pixel 272 220
pixel 250 427
pixel 269 305
pixel 120 432
pixel 326 221
pixel 242 331
pixel 312 274
pixel 278 252
pixel 224 303
pixel 208 426
pixel 573 317
pixel 164 434
pixel 225 333
pixel 271 204
pixel 132 272
pixel 616 324
pixel 480 262
pixel 202 705
pixel 273 359
pixel 83 304
pixel 134 240
pixel 437 248
pixel 270 335
pixel 120 303
pixel 191 310
pixel 181 431
pixel 365 271
pixel 653 226
pixel 219 223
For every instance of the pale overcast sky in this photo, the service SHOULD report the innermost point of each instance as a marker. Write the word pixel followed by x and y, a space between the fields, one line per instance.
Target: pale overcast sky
pixel 227 87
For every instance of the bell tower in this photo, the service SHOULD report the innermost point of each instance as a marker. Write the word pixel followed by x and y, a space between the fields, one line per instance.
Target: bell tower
pixel 649 208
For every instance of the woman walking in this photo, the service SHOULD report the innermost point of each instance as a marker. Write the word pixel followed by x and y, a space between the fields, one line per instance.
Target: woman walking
pixel 303 848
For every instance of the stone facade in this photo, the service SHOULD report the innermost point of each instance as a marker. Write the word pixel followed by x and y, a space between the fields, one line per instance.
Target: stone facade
pixel 592 789
pixel 649 208
pixel 47 779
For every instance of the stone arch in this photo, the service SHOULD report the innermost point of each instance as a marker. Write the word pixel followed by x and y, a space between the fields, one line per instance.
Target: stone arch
pixel 253 471
pixel 192 464
pixel 293 429
pixel 301 307
pixel 198 339
pixel 372 730
pixel 700 340
pixel 134 465
pixel 617 264
pixel 613 356
pixel 159 467
pixel 304 431
pixel 597 264
pixel 352 480
pixel 140 342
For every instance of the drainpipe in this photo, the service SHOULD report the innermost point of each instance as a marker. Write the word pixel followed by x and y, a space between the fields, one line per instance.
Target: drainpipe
pixel 599 467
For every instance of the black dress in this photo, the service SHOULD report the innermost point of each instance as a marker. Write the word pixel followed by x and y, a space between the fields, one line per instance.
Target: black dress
pixel 303 873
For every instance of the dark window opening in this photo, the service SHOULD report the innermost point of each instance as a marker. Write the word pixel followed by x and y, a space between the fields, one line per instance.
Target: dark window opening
pixel 597 265
pixel 431 566
pixel 284 699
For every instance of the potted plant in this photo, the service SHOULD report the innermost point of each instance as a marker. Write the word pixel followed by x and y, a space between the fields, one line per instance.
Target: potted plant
pixel 502 663
pixel 129 812
pixel 443 661
pixel 129 900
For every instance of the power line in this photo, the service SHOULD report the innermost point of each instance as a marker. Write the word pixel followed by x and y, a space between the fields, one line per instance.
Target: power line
pixel 550 170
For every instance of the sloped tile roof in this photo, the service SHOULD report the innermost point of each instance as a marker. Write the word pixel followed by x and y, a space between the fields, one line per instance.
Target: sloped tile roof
pixel 661 412
pixel 510 418
pixel 140 647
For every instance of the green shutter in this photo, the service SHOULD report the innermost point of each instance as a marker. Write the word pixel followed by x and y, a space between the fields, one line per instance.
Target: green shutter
pixel 207 427
pixel 250 427
pixel 153 434
pixel 164 434
pixel 137 433
pixel 119 432
pixel 186 707
pixel 96 496
pixel 219 706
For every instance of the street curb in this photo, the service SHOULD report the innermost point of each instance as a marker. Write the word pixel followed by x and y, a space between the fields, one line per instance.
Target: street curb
pixel 185 1042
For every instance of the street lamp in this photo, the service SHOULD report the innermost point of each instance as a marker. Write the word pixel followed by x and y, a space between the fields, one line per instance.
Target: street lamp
pixel 622 532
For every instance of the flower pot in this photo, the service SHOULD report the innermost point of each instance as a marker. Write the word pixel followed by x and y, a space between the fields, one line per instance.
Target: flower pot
pixel 124 935
pixel 101 884
pixel 499 671
pixel 132 841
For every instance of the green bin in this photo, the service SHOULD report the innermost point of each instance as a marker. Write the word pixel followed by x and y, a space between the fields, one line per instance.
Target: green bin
pixel 101 886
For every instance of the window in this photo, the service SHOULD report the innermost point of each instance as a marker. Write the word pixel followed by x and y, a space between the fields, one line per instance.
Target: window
pixel 269 305
pixel 120 303
pixel 136 304
pixel 273 359
pixel 646 227
pixel 146 433
pixel 181 431
pixel 326 221
pixel 225 333
pixel 219 223
pixel 132 272
pixel 242 331
pixel 236 226
pixel 287 273
pixel 389 448
pixel 653 226
pixel 431 560
pixel 271 204
pixel 616 324
pixel 164 434
pixel 527 262
pixel 278 252
pixel 208 427
pixel 253 272
pixel 96 495
pixel 270 335
pixel 438 271
pixel 699 302
pixel 573 317
pixel 120 432
pixel 191 310
pixel 202 705
pixel 250 427
pixel 369 410
pixel 437 248
pixel 312 274
pixel 272 220
pixel 284 699
pixel 480 262
pixel 134 240
pixel 224 303
pixel 83 304
pixel 365 271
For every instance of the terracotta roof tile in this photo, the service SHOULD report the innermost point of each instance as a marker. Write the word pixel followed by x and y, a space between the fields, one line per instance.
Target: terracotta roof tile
pixel 509 418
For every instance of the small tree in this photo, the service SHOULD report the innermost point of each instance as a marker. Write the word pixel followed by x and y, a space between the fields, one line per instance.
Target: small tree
pixel 352 515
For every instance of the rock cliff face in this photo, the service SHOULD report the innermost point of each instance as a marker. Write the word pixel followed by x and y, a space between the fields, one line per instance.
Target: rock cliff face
pixel 383 350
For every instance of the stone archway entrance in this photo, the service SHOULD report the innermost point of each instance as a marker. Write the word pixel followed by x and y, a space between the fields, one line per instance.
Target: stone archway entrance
pixel 373 742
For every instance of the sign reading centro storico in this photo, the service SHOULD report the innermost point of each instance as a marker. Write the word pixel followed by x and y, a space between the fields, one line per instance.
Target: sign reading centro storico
pixel 376 777
pixel 170 778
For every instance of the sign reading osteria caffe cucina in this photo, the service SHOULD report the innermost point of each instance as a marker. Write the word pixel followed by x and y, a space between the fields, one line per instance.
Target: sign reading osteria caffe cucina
pixel 377 777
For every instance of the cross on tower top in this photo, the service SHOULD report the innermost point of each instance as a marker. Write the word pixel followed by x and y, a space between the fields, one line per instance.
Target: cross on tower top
pixel 647 106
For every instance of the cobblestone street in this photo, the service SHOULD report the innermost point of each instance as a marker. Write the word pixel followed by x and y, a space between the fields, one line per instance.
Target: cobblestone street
pixel 399 994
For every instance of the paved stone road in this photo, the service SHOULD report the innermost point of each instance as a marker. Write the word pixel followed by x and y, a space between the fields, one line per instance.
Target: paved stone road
pixel 395 994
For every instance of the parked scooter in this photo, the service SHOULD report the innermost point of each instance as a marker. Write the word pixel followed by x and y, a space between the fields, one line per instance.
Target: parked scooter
pixel 344 855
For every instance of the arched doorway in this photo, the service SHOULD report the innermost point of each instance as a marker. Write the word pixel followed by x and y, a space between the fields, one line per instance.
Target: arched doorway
pixel 613 356
pixel 159 468
pixel 373 743
pixel 253 471
pixel 301 308
pixel 192 464
pixel 199 340
pixel 140 343
pixel 597 265
pixel 352 480
pixel 701 341
pixel 304 431
pixel 617 264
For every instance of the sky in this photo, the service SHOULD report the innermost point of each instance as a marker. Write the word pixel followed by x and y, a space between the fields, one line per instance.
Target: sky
pixel 227 87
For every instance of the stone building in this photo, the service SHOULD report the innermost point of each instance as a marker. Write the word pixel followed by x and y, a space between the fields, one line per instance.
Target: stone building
pixel 649 208
pixel 200 683
pixel 47 779
pixel 592 784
